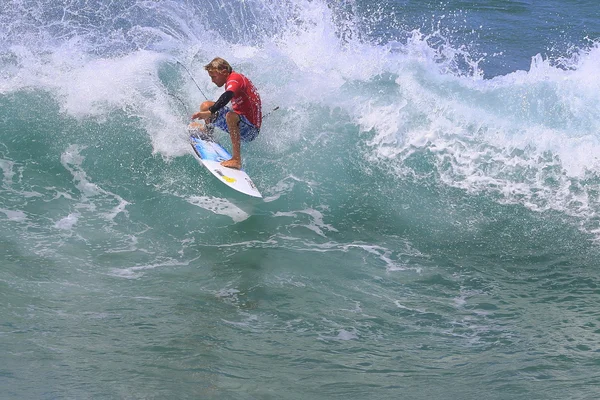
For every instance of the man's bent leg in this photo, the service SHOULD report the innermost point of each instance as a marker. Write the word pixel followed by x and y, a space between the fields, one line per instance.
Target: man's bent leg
pixel 233 123
pixel 206 105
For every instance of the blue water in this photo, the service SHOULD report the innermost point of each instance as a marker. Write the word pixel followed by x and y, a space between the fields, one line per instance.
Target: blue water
pixel 430 222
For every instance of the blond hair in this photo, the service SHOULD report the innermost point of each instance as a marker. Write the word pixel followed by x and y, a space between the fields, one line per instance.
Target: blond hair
pixel 218 64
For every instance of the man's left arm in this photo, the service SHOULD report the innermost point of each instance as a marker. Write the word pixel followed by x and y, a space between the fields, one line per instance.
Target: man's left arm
pixel 221 102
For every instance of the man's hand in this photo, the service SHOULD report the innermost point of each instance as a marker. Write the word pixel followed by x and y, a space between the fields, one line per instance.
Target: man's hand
pixel 201 115
pixel 207 116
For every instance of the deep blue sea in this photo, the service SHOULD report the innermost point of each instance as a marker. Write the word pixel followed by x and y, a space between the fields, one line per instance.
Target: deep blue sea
pixel 430 227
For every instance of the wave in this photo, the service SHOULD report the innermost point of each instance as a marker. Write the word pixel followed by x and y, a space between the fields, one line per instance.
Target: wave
pixel 403 106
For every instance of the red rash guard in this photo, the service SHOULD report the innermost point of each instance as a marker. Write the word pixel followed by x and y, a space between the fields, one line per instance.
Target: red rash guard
pixel 246 100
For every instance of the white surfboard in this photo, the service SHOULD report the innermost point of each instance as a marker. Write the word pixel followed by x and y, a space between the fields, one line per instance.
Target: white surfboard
pixel 210 154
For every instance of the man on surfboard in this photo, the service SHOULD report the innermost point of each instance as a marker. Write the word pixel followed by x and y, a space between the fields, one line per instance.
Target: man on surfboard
pixel 242 121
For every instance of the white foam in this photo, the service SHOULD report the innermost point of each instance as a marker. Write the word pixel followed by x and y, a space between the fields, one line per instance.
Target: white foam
pixel 67 222
pixel 139 270
pixel 343 335
pixel 7 168
pixel 14 215
pixel 72 160
pixel 219 206
pixel 286 185
pixel 317 223
pixel 346 335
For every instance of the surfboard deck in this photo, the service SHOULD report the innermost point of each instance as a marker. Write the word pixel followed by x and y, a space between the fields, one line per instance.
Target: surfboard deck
pixel 210 154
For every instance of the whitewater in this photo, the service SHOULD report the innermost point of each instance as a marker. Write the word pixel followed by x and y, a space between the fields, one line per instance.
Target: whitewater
pixel 430 220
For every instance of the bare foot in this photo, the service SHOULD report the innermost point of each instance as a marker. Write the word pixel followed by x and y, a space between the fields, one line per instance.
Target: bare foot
pixel 233 163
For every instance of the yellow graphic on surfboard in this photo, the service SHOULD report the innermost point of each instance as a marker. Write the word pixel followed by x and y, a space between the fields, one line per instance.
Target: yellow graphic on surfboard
pixel 225 177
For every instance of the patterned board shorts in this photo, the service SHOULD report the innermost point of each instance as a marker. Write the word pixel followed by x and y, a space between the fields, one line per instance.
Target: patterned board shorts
pixel 248 132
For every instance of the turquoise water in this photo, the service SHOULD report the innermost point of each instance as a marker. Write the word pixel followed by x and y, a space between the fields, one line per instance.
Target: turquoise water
pixel 430 223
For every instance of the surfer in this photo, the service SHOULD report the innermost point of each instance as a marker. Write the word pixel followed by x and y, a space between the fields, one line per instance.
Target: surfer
pixel 242 121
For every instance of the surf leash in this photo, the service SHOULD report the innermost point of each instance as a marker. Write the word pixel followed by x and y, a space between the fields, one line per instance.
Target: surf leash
pixel 181 101
pixel 192 77
pixel 271 112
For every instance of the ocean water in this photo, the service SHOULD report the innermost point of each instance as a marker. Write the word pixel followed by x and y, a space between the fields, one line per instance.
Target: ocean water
pixel 430 225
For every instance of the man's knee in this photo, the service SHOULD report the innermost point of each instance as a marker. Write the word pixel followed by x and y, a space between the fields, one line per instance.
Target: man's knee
pixel 206 105
pixel 232 118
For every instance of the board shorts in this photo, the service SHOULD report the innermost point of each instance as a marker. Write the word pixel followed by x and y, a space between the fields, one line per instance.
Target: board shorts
pixel 248 132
